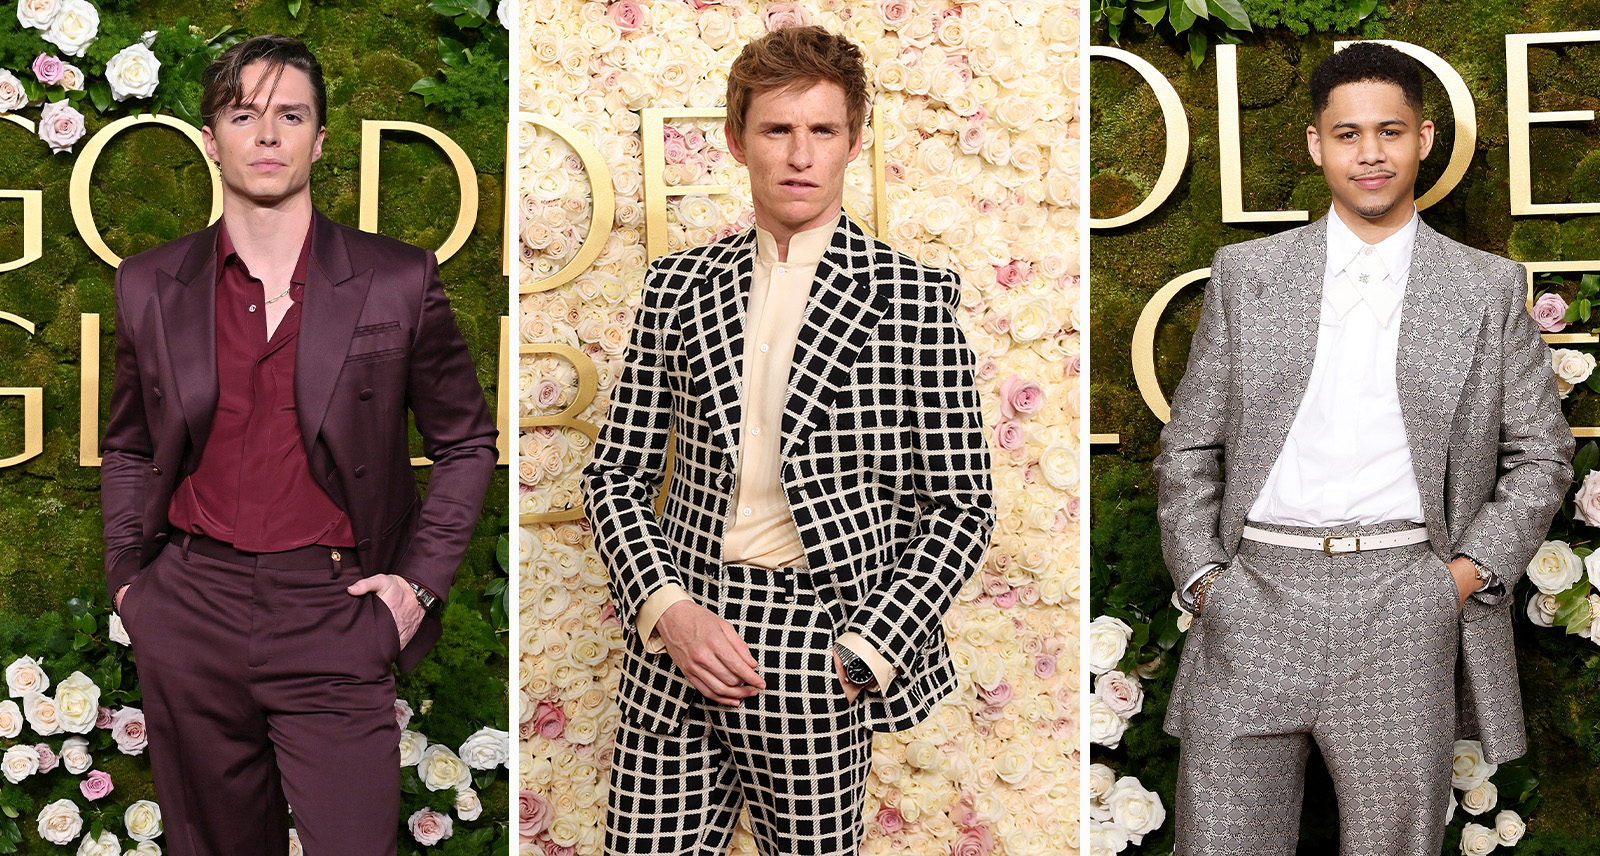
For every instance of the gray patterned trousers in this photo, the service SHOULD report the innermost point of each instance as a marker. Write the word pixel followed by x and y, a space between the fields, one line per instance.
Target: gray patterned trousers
pixel 1355 652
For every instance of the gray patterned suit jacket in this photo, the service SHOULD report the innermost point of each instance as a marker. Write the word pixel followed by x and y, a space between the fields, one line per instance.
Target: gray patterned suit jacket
pixel 884 458
pixel 1491 449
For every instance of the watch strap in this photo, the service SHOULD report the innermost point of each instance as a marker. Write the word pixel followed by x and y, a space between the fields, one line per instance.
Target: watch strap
pixel 856 670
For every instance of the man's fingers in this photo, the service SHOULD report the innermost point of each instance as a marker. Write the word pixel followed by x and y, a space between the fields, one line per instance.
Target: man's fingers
pixel 741 663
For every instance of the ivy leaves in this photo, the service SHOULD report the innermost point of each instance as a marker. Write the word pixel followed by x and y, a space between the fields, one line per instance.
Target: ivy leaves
pixel 1196 22
pixel 475 69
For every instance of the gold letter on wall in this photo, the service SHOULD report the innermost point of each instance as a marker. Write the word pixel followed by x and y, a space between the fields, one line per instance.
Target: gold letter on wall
pixel 466 178
pixel 1177 137
pixel 1228 147
pixel 602 212
pixel 83 169
pixel 1518 120
pixel 588 384
pixel 32 407
pixel 1144 342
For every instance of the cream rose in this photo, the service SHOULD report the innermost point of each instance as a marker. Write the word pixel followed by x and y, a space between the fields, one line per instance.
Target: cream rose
pixel 1542 607
pixel 1105 726
pixel 74 27
pixel 118 633
pixel 106 845
pixel 19 762
pixel 133 72
pixel 1571 367
pixel 1108 642
pixel 1509 828
pixel 71 77
pixel 1135 808
pixel 1478 840
pixel 1468 769
pixel 38 14
pixel 77 703
pixel 150 848
pixel 25 676
pixel 468 806
pixel 41 712
pixel 142 820
pixel 1101 778
pixel 75 755
pixel 440 768
pixel 1480 799
pixel 60 821
pixel 1121 693
pixel 486 749
pixel 12 95
pixel 1588 500
pixel 10 719
pixel 1554 567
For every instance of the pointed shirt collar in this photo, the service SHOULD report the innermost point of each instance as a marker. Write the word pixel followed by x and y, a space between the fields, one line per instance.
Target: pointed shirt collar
pixel 1394 252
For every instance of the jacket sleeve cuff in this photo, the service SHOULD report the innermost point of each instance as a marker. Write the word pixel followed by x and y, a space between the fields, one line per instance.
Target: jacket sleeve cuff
pixel 1186 594
pixel 882 670
pixel 651 612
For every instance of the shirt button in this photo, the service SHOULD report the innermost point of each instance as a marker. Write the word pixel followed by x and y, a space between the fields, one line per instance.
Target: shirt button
pixel 755 431
pixel 746 512
pixel 252 307
pixel 156 470
pixel 763 347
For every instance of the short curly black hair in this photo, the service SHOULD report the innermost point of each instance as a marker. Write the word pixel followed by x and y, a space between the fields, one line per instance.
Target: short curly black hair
pixel 1363 62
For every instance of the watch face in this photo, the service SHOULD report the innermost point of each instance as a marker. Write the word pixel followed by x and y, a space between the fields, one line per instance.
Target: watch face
pixel 858 672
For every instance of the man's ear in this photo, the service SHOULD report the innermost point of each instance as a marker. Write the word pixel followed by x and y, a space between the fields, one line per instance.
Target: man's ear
pixel 734 147
pixel 208 141
pixel 316 148
pixel 1425 132
pixel 1314 144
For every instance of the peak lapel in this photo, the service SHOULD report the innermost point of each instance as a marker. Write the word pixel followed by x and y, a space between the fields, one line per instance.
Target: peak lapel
pixel 843 310
pixel 334 295
pixel 188 302
pixel 712 320
pixel 1438 338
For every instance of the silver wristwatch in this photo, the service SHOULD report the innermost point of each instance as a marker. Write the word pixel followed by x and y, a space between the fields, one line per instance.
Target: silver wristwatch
pixel 424 597
pixel 856 670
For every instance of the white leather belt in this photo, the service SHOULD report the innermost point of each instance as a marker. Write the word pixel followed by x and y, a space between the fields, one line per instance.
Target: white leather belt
pixel 1337 545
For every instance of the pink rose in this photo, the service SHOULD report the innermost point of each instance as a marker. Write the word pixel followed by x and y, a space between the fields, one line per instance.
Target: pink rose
pixel 1062 728
pixel 60 126
pixel 780 15
pixel 127 728
pixel 626 14
pixel 550 720
pixel 1013 273
pixel 402 712
pixel 105 717
pixel 1006 599
pixel 1020 397
pixel 1008 435
pixel 694 140
pixel 430 827
pixel 701 4
pixel 95 785
pixel 48 69
pixel 1000 696
pixel 609 613
pixel 1044 666
pixel 1072 508
pixel 674 147
pixel 895 13
pixel 553 849
pixel 533 816
pixel 1548 312
pixel 970 140
pixel 1588 499
pixel 973 841
pixel 47 758
pixel 546 392
pixel 1120 693
pixel 1074 364
pixel 889 819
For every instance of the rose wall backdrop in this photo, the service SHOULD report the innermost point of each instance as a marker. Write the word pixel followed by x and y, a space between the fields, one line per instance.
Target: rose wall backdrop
pixel 1534 202
pixel 978 109
pixel 71 732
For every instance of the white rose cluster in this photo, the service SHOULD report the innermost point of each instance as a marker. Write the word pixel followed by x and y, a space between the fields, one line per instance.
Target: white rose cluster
pixel 1122 811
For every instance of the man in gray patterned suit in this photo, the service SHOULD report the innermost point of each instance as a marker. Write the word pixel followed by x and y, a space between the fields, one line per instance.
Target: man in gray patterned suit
pixel 830 490
pixel 1363 455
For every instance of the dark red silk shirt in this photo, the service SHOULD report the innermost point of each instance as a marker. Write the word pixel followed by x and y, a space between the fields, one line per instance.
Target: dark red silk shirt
pixel 253 488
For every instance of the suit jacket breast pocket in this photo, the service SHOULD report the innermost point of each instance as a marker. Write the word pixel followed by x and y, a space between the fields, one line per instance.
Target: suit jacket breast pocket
pixel 372 343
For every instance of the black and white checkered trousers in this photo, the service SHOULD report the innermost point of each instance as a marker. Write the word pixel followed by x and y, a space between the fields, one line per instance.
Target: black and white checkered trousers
pixel 797 752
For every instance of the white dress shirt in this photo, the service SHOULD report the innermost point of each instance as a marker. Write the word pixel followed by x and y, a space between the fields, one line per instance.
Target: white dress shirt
pixel 1346 459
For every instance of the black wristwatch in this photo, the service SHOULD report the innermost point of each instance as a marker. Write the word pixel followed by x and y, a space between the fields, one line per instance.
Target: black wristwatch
pixel 424 597
pixel 856 670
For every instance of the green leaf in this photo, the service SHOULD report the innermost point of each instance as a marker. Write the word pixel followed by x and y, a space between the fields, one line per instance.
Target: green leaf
pixel 1583 310
pixel 1180 17
pixel 1365 8
pixel 1164 628
pixel 1572 313
pixel 1588 285
pixel 428 88
pixel 100 95
pixel 1230 12
pixel 1586 459
pixel 1197 48
pixel 1573 616
pixel 1198 7
pixel 1152 11
pixel 294 8
pixel 502 553
pixel 453 53
pixel 10 812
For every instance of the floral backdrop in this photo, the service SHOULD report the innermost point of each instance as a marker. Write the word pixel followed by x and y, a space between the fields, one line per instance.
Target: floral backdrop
pixel 978 107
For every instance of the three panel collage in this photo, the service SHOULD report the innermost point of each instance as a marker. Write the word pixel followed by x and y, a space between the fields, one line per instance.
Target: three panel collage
pixel 679 433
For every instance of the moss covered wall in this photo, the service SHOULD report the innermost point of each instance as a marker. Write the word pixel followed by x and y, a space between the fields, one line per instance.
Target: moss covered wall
pixel 1129 265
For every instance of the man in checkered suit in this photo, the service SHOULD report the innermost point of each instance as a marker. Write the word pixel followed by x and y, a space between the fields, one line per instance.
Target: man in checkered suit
pixel 830 493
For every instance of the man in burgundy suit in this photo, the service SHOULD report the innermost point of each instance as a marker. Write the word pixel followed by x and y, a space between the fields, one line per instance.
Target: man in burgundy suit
pixel 265 544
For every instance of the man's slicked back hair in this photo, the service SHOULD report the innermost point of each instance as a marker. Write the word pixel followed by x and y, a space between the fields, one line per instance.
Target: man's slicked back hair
pixel 798 57
pixel 224 87
pixel 1366 62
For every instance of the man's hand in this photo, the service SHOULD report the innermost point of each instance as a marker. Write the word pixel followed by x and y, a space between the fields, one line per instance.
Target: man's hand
pixel 120 592
pixel 396 594
pixel 850 690
pixel 1466 576
pixel 709 652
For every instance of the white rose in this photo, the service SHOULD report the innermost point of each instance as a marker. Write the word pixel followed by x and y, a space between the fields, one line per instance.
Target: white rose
pixel 24 676
pixel 1477 840
pixel 1468 769
pixel 1121 693
pixel 1135 808
pixel 19 762
pixel 940 215
pixel 468 806
pixel 132 73
pixel 1031 319
pixel 403 712
pixel 411 745
pixel 1542 608
pixel 1101 778
pixel 142 820
pixel 10 719
pixel 38 14
pixel 106 845
pixel 75 755
pixel 1554 567
pixel 1105 726
pixel 118 633
pixel 1108 641
pixel 1059 464
pixel 1571 367
pixel 74 27
pixel 128 730
pixel 1013 764
pixel 1480 799
pixel 150 848
pixel 60 821
pixel 77 704
pixel 486 749
pixel 1509 828
pixel 295 848
pixel 40 710
pixel 430 827
pixel 1107 838
pixel 12 95
pixel 439 768
pixel 71 77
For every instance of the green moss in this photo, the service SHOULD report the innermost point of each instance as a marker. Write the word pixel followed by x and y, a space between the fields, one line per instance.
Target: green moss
pixel 1535 240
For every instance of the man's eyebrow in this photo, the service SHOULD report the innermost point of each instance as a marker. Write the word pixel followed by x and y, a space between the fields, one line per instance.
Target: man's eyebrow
pixel 1383 124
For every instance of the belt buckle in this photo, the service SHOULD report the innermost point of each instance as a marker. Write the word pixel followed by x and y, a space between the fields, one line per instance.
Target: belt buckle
pixel 1327 545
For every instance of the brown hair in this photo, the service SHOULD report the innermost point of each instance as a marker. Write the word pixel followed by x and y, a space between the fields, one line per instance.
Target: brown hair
pixel 797 57
pixel 223 86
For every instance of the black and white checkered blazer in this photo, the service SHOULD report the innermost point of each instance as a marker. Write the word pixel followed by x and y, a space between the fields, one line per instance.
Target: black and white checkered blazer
pixel 884 459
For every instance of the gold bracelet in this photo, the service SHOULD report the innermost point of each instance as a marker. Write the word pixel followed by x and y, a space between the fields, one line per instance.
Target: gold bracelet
pixel 1204 583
